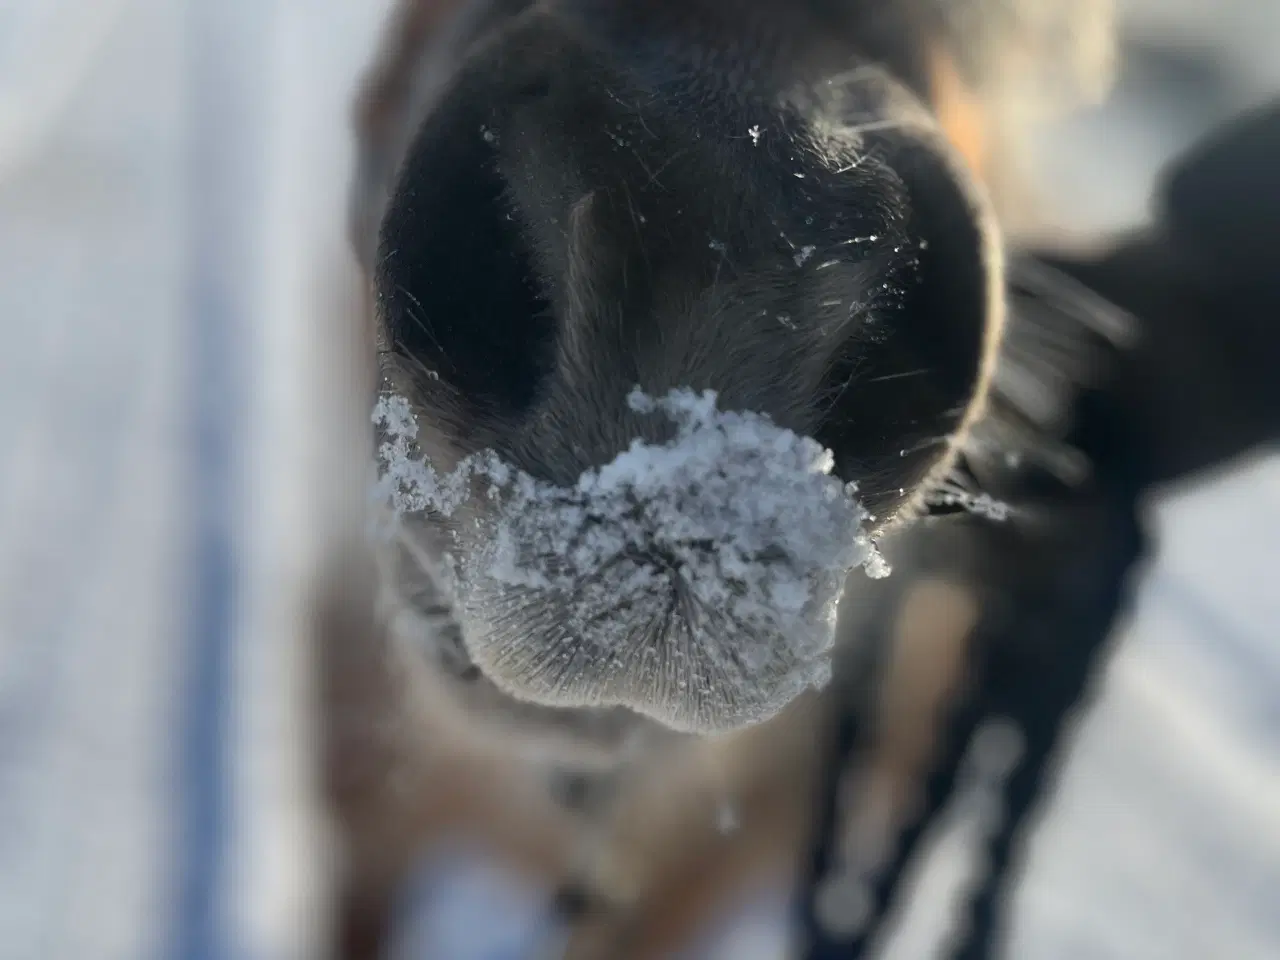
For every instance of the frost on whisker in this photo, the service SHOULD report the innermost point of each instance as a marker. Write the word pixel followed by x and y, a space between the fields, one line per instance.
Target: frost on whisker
pixel 407 481
pixel 694 581
pixel 953 493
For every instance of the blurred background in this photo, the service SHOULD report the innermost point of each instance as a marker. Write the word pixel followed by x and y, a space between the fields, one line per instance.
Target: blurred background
pixel 170 174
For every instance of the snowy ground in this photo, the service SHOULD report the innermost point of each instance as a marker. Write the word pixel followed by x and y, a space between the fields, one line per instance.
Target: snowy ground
pixel 1164 843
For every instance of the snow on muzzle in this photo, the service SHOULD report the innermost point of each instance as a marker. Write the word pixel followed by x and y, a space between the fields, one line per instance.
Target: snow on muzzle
pixel 695 581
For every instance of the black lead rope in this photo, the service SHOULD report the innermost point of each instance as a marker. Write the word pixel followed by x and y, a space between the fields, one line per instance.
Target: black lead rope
pixel 1052 582
pixel 842 731
pixel 1032 659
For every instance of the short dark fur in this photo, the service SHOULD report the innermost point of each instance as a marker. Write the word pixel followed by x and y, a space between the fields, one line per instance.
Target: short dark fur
pixel 570 199
pixel 520 292
pixel 731 197
pixel 579 214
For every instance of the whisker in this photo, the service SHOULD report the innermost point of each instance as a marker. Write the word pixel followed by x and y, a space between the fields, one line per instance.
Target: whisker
pixel 898 376
pixel 421 321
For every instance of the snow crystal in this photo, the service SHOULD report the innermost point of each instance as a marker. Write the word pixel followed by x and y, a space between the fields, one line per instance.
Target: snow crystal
pixel 951 493
pixel 410 483
pixel 695 580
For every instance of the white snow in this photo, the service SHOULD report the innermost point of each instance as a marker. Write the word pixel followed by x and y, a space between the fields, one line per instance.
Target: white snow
pixel 738 520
